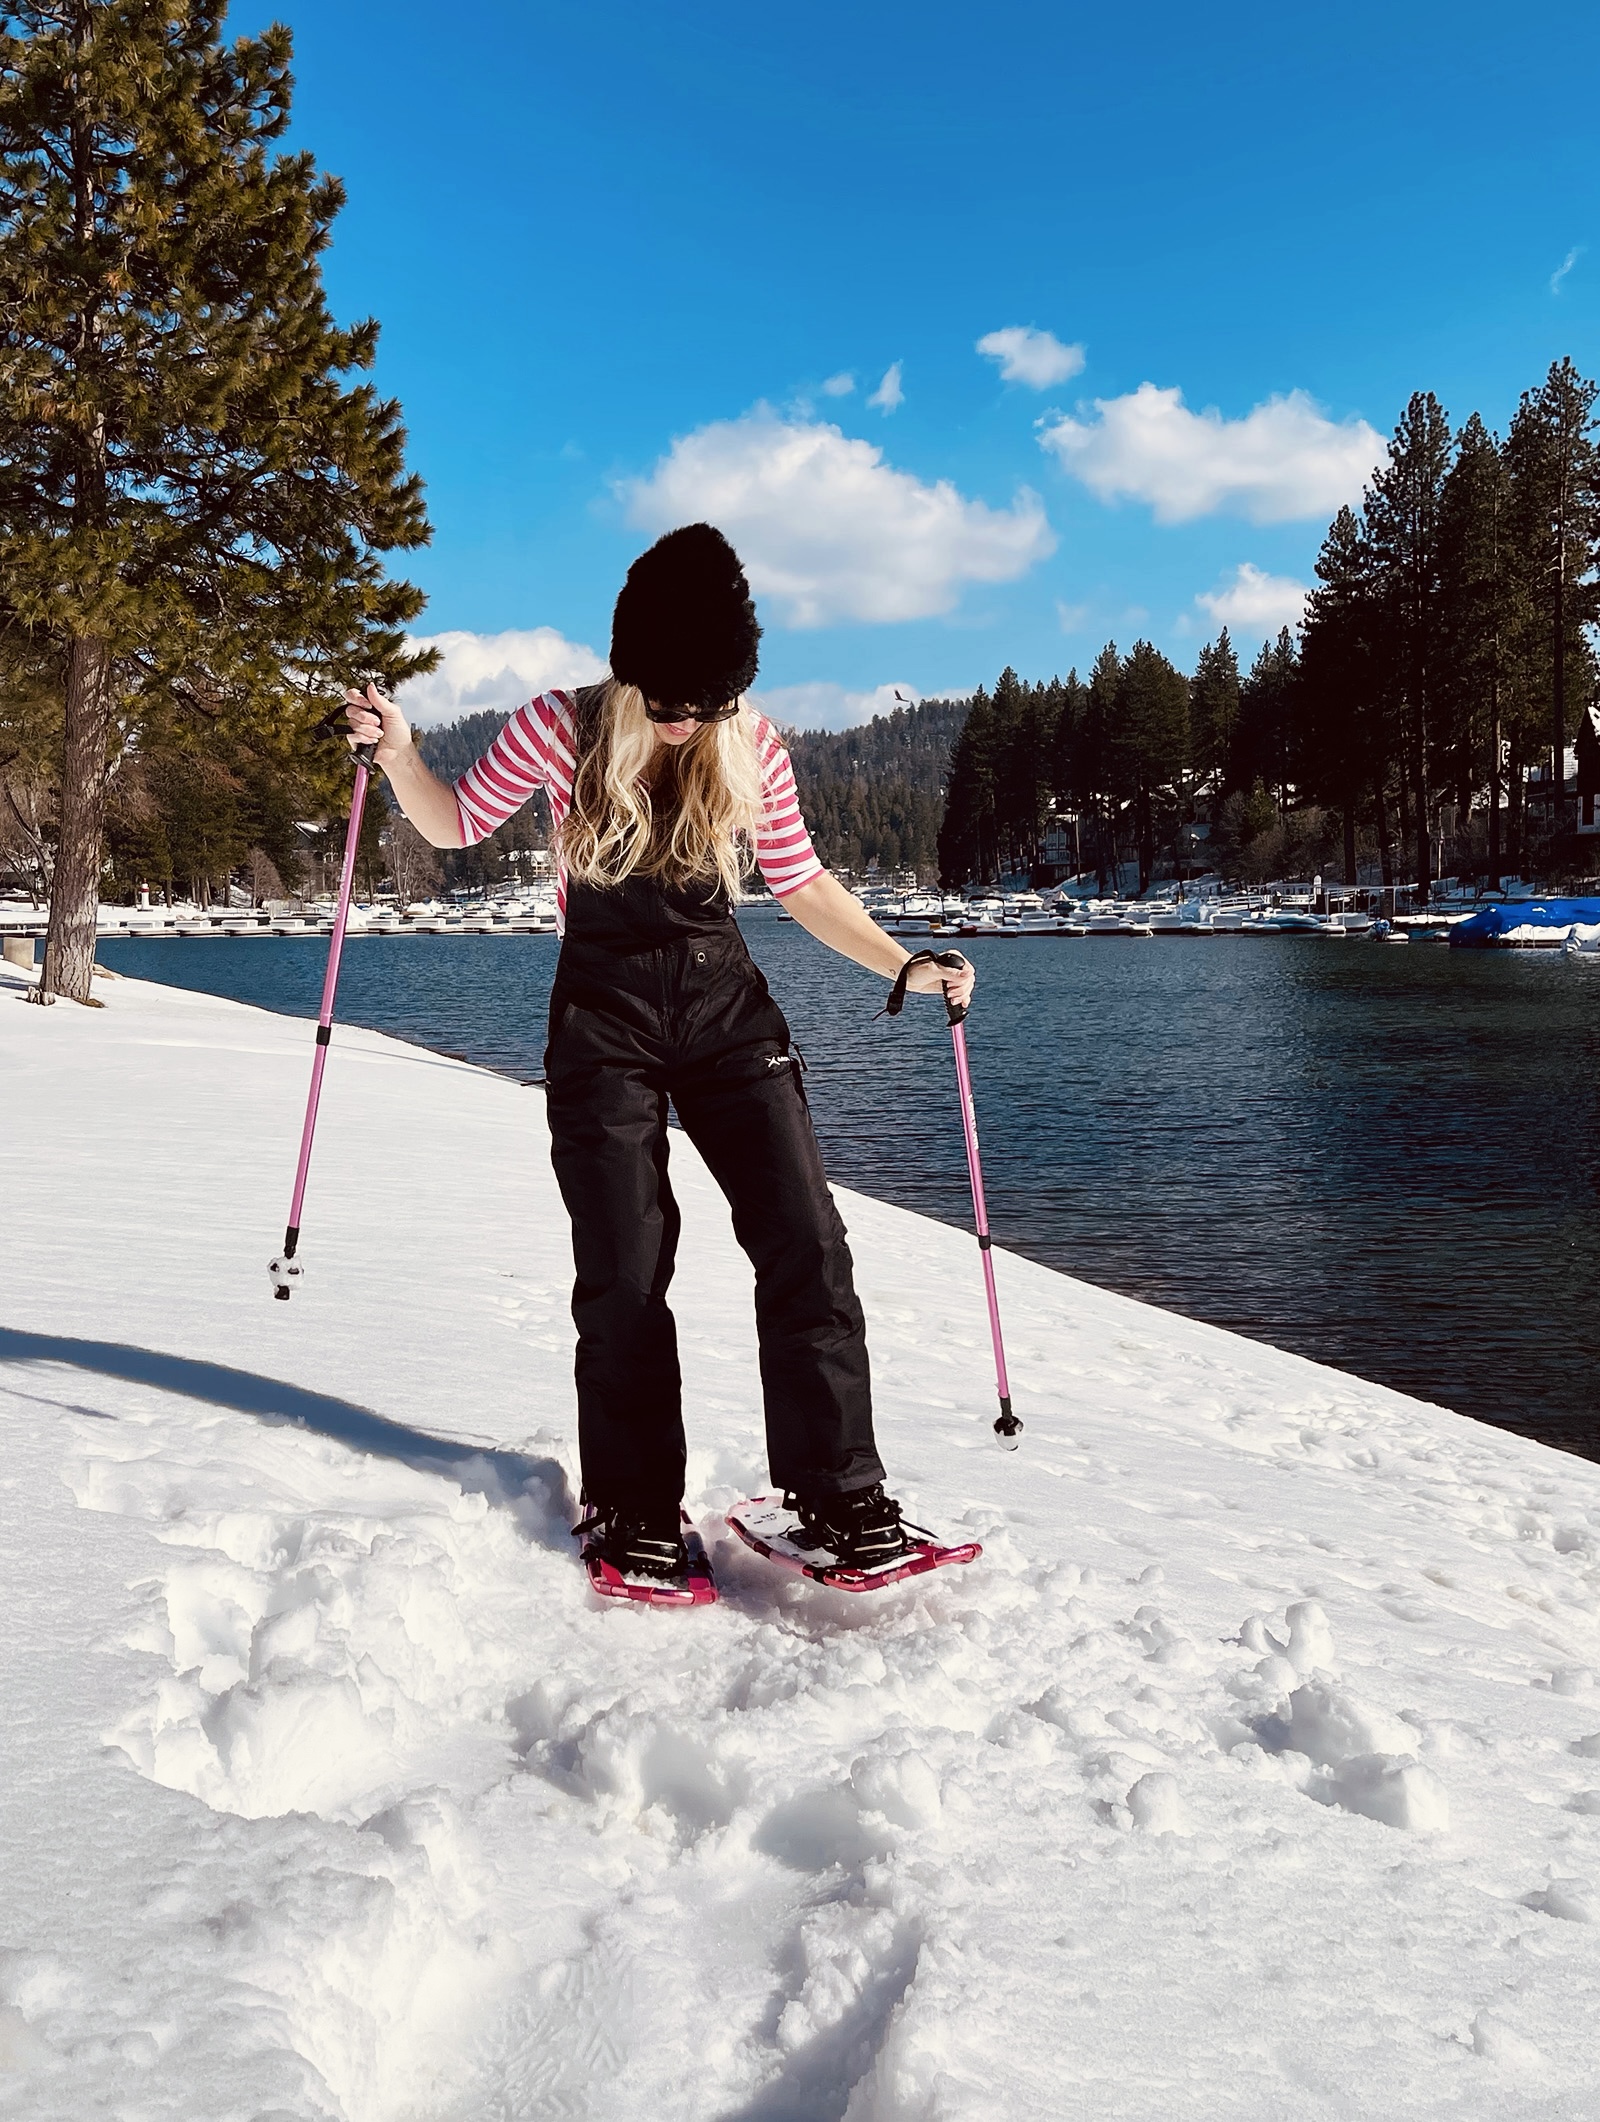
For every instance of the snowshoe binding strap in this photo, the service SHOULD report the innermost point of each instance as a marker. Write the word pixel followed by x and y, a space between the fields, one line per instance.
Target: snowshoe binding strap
pixel 860 1530
pixel 949 961
pixel 633 1545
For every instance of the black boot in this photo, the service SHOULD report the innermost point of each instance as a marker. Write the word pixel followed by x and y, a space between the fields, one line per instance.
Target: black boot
pixel 639 1544
pixel 859 1530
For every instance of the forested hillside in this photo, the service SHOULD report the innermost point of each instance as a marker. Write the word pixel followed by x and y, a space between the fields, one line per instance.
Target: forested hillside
pixel 871 793
pixel 450 750
pixel 877 792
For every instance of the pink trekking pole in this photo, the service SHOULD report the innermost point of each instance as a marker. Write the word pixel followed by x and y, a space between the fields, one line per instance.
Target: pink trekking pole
pixel 286 1270
pixel 1008 1427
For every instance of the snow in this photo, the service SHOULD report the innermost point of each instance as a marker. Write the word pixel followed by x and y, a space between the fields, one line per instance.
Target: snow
pixel 1253 1771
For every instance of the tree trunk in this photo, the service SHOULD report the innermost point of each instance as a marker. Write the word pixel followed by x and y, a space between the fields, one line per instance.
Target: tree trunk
pixel 1350 842
pixel 75 898
pixel 1558 704
pixel 1419 774
pixel 1147 836
pixel 1494 782
pixel 1385 860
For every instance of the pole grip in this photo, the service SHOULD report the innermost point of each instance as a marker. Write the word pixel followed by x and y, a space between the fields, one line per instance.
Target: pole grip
pixel 950 961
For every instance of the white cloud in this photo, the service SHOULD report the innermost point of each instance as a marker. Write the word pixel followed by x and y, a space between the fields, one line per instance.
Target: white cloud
pixel 1254 603
pixel 888 394
pixel 495 671
pixel 828 531
pixel 1070 616
pixel 824 705
pixel 839 386
pixel 1565 267
pixel 1032 357
pixel 1282 461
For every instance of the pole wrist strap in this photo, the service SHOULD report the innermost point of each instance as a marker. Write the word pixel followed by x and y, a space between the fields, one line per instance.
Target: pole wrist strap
pixel 950 960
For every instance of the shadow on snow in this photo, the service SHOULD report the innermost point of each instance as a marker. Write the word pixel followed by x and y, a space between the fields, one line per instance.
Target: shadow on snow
pixel 535 1488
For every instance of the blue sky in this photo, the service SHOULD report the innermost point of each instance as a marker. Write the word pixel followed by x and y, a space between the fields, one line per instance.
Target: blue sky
pixel 621 251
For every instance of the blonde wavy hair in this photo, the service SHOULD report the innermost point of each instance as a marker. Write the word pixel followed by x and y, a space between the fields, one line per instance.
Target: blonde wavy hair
pixel 683 813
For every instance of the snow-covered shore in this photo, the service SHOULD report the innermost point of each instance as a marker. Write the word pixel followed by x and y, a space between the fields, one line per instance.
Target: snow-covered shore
pixel 1253 1772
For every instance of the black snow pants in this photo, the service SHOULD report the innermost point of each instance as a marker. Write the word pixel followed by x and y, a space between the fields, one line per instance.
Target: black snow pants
pixel 656 998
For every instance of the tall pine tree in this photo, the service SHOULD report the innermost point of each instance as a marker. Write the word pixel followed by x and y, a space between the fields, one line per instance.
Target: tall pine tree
pixel 193 497
pixel 1480 619
pixel 1341 747
pixel 1267 746
pixel 1150 746
pixel 1555 478
pixel 1403 515
pixel 1214 715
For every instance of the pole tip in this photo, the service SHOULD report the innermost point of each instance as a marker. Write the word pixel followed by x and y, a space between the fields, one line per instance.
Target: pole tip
pixel 283 1293
pixel 1008 1428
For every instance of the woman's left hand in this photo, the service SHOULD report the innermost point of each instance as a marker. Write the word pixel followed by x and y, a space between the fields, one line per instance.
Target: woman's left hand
pixel 956 985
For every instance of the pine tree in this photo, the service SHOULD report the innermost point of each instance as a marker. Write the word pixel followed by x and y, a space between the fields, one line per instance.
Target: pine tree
pixel 192 497
pixel 1025 777
pixel 966 837
pixel 1403 512
pixel 1214 715
pixel 1341 741
pixel 1095 763
pixel 1480 620
pixel 1071 700
pixel 1267 746
pixel 1150 746
pixel 1555 479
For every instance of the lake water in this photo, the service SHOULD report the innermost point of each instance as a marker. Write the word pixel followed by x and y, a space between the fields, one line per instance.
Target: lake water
pixel 1386 1159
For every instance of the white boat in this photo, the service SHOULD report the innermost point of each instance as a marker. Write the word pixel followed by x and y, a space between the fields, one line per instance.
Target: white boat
pixel 1044 923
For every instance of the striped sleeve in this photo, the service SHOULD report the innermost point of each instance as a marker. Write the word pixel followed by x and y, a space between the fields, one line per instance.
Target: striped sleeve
pixel 783 846
pixel 535 750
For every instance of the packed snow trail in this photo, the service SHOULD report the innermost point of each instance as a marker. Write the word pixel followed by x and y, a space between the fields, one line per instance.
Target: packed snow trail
pixel 1254 1770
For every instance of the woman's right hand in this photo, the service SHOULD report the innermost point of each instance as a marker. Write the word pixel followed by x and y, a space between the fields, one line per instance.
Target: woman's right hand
pixel 375 720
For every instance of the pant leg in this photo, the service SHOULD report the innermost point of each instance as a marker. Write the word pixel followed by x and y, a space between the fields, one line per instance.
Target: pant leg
pixel 746 1113
pixel 608 1144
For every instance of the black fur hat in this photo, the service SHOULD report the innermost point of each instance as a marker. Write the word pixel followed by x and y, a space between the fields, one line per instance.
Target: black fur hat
pixel 685 629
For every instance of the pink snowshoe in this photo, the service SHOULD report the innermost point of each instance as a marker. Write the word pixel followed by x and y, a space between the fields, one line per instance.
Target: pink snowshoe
pixel 625 1561
pixel 834 1546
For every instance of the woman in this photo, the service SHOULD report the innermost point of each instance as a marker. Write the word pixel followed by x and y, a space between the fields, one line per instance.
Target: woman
pixel 661 788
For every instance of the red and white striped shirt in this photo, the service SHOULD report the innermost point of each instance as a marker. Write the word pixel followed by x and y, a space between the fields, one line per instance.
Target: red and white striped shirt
pixel 538 749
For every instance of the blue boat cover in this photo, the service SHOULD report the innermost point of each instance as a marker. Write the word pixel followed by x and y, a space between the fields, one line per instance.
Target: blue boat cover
pixel 1494 921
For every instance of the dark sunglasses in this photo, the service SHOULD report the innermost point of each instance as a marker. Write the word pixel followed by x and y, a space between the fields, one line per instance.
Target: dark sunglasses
pixel 692 714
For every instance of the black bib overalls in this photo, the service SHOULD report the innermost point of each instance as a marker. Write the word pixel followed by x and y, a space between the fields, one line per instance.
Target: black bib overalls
pixel 657 998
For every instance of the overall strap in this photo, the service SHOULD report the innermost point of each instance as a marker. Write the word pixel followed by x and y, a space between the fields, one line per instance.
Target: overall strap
pixel 586 701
